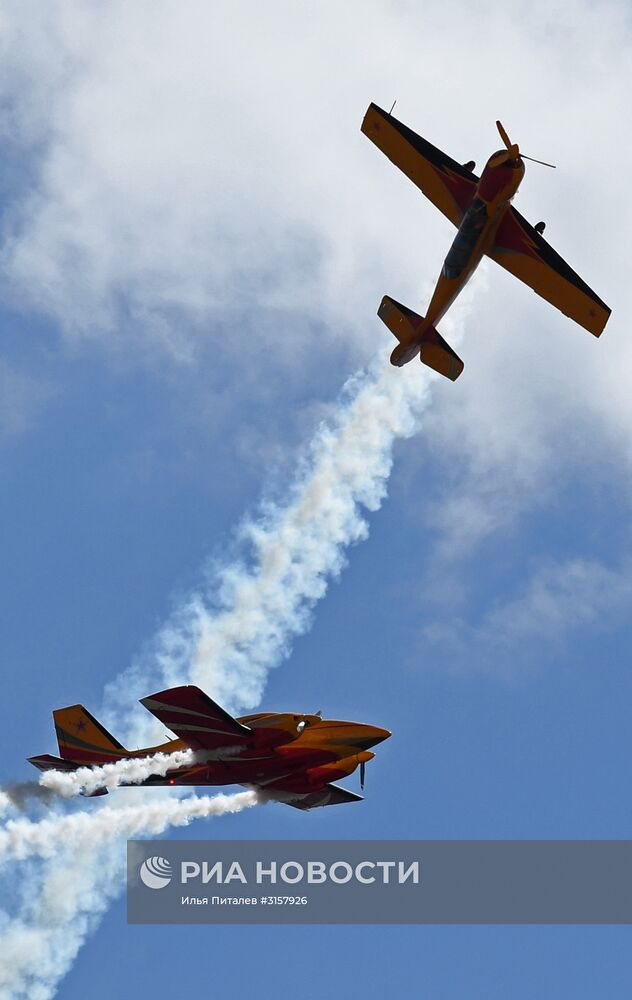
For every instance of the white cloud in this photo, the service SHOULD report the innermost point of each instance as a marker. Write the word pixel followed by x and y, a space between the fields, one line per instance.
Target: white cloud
pixel 192 154
pixel 198 176
pixel 201 177
pixel 560 599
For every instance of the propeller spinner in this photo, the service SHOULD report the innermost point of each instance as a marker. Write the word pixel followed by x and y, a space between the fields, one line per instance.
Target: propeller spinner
pixel 514 151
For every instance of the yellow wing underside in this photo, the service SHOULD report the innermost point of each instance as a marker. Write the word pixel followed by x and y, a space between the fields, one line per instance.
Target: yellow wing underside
pixel 525 254
pixel 448 185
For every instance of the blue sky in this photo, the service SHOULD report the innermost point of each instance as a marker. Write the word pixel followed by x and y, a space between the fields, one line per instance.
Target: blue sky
pixel 195 238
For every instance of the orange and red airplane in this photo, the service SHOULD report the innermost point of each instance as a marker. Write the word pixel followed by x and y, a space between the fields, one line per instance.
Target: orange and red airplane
pixel 487 225
pixel 291 758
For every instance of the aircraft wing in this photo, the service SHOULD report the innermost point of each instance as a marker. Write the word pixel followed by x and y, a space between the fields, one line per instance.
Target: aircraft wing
pixel 330 795
pixel 445 182
pixel 523 252
pixel 196 718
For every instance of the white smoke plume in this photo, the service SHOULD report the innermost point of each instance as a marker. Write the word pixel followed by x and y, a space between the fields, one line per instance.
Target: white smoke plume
pixel 84 869
pixel 225 638
pixel 23 838
pixel 132 771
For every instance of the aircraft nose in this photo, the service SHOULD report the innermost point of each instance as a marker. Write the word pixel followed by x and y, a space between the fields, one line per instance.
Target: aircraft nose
pixel 372 735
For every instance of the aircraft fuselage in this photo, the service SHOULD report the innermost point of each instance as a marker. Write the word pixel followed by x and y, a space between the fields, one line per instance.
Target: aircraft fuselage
pixel 306 749
pixel 498 184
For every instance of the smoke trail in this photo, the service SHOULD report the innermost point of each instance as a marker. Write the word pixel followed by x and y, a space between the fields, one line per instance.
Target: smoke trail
pixel 40 945
pixel 18 794
pixel 22 838
pixel 87 780
pixel 227 637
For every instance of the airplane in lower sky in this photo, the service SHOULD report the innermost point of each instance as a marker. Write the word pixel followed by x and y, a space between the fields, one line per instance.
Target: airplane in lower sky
pixel 291 758
pixel 488 225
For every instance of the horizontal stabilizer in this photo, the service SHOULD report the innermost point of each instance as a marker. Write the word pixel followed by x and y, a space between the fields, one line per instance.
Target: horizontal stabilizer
pixel 416 336
pixel 437 354
pixel 46 762
pixel 195 718
pixel 401 321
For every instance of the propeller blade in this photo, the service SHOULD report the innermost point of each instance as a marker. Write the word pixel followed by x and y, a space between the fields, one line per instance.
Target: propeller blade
pixel 362 773
pixel 503 135
pixel 533 160
pixel 512 147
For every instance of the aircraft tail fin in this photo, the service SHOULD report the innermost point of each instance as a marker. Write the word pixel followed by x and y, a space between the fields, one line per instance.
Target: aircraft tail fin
pixel 83 739
pixel 417 337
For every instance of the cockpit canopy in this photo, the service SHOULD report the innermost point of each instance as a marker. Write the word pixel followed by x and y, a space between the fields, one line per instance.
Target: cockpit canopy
pixel 471 227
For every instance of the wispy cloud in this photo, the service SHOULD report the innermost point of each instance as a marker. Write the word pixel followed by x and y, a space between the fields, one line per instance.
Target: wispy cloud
pixel 22 397
pixel 122 236
pixel 560 600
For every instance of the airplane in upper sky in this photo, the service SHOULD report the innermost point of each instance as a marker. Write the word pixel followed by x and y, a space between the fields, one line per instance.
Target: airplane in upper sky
pixel 291 758
pixel 487 225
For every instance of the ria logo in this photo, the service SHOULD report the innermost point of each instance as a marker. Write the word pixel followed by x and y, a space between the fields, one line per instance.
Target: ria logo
pixel 155 873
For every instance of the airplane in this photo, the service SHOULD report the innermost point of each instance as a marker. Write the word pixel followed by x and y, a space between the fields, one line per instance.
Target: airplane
pixel 488 225
pixel 290 758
